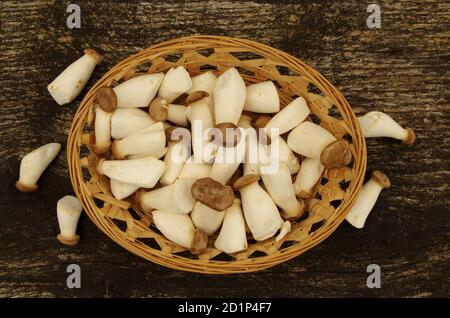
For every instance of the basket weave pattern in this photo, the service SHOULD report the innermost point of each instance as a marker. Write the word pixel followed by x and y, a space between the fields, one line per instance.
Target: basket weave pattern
pixel 132 228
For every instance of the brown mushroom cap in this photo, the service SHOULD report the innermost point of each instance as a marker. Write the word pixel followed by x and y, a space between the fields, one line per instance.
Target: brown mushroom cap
pixel 411 137
pixel 158 109
pixel 381 179
pixel 225 134
pixel 199 243
pixel 195 96
pixel 212 194
pixel 176 133
pixel 262 121
pixel 336 155
pixel 244 181
pixel 97 56
pixel 106 98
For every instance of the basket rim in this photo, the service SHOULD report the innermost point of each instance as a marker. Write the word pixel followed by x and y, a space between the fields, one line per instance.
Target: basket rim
pixel 213 266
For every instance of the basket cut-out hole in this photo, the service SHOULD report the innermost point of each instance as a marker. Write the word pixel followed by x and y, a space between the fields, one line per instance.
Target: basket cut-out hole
pixel 245 71
pixel 278 85
pixel 348 137
pixel 323 181
pixel 318 196
pixel 334 112
pixel 286 244
pixel 314 89
pixel 284 70
pixel 150 242
pixel 256 254
pixel 244 56
pixel 335 203
pixel 304 216
pixel 134 214
pixel 223 257
pixel 174 57
pixel 122 225
pixel 143 68
pixel 316 226
pixel 344 185
pixel 207 67
pixel 206 52
pixel 185 254
pixel 315 119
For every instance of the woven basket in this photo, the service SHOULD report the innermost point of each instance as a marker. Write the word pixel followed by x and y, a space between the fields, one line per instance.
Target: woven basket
pixel 132 228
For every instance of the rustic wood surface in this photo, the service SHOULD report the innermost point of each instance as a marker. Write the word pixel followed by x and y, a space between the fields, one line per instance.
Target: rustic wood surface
pixel 401 68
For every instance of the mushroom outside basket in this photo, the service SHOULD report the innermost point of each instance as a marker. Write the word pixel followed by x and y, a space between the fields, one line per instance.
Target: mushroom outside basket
pixel 132 228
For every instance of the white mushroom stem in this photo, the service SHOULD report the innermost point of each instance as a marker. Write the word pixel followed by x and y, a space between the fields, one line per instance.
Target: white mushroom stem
pixel 177 228
pixel 122 190
pixel 68 85
pixel 146 141
pixel 310 172
pixel 195 170
pixel 175 198
pixel 229 97
pixel 232 237
pixel 175 83
pixel 68 210
pixel 143 173
pixel 126 121
pixel 201 122
pixel 177 114
pixel 279 150
pixel 204 82
pixel 102 130
pixel 260 212
pixel 34 164
pixel 206 219
pixel 262 98
pixel 250 165
pixel 227 160
pixel 157 154
pixel 177 154
pixel 138 91
pixel 285 229
pixel 309 139
pixel 367 198
pixel 378 124
pixel 288 118
pixel 281 190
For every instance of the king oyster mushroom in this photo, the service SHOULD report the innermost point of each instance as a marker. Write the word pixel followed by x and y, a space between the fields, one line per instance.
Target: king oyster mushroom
pixel 68 211
pixel 126 121
pixel 121 190
pixel 138 91
pixel 203 82
pixel 206 219
pixel 308 176
pixel 175 83
pixel 262 98
pixel 68 85
pixel 179 140
pixel 176 227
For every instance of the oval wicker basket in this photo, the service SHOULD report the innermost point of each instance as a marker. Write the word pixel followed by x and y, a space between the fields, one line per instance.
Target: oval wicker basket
pixel 131 228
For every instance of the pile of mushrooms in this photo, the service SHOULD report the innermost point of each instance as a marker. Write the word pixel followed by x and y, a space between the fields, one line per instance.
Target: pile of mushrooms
pixel 213 160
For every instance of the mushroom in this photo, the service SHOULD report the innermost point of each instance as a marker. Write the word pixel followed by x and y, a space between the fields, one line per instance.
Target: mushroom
pixel 206 219
pixel 177 114
pixel 288 118
pixel 367 198
pixel 225 134
pixel 262 98
pixel 250 163
pixel 176 227
pixel 309 139
pixel 279 150
pixel 121 190
pixel 143 173
pixel 232 237
pixel 212 194
pixel 308 176
pixel 102 130
pixel 177 154
pixel 280 188
pixel 157 154
pixel 378 124
pixel 229 97
pixel 68 211
pixel 227 160
pixel 194 170
pixel 68 85
pixel 203 82
pixel 285 229
pixel 201 121
pixel 33 165
pixel 175 83
pixel 106 99
pixel 336 155
pixel 261 121
pixel 126 121
pixel 199 242
pixel 138 91
pixel 145 141
pixel 158 109
pixel 260 211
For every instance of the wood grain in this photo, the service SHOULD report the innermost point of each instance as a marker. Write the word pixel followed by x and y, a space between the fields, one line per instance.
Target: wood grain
pixel 402 69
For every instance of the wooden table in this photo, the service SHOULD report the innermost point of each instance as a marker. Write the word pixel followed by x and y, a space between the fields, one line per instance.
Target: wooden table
pixel 401 68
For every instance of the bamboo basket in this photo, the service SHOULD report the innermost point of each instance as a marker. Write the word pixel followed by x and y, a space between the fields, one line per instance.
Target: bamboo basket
pixel 132 228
